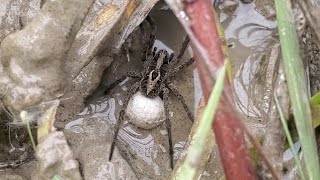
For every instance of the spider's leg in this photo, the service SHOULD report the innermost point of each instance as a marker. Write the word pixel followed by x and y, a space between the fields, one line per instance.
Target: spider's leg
pixel 145 42
pixel 154 51
pixel 170 57
pixel 176 92
pixel 168 123
pixel 131 74
pixel 181 67
pixel 143 33
pixel 133 90
pixel 147 46
pixel 182 50
pixel 152 36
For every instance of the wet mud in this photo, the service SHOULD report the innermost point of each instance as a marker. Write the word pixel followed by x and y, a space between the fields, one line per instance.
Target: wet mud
pixel 250 30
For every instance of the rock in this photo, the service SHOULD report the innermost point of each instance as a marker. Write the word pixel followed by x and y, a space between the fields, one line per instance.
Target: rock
pixel 144 112
pixel 82 86
pixel 17 15
pixel 11 177
pixel 229 5
pixel 91 145
pixel 56 159
pixel 96 166
pixel 25 172
pixel 33 58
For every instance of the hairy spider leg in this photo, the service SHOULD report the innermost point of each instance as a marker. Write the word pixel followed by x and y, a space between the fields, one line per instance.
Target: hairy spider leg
pixel 133 90
pixel 181 67
pixel 147 44
pixel 176 92
pixel 154 51
pixel 131 74
pixel 182 50
pixel 168 123
pixel 170 58
pixel 152 36
pixel 143 34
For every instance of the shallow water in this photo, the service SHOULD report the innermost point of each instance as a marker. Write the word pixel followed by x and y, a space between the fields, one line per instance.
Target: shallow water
pixel 250 35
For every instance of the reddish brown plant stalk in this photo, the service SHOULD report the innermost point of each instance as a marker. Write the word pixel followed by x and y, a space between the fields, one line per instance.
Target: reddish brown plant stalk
pixel 227 128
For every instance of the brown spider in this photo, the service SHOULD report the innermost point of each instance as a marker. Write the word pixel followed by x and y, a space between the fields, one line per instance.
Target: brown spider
pixel 158 68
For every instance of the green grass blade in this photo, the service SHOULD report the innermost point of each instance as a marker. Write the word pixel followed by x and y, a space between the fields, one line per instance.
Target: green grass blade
pixel 289 138
pixel 297 86
pixel 187 171
pixel 31 137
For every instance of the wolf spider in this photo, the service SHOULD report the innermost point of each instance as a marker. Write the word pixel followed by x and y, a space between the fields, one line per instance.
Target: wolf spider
pixel 154 80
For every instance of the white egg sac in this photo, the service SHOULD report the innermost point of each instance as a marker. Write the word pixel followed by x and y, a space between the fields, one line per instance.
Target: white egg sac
pixel 145 112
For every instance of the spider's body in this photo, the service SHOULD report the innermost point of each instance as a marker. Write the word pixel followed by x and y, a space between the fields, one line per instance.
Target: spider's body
pixel 155 74
pixel 154 80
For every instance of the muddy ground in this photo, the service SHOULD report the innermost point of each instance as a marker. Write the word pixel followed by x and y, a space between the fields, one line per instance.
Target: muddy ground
pixel 250 30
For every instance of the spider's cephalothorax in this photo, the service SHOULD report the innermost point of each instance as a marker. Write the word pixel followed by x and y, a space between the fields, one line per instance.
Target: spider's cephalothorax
pixel 154 79
pixel 155 75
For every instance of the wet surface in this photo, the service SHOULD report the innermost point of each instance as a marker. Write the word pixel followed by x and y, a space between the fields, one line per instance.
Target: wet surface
pixel 252 42
pixel 147 151
pixel 250 35
pixel 250 30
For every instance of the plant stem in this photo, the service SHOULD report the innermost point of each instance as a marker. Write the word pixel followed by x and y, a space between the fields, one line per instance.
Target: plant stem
pixel 297 86
pixel 30 135
pixel 289 138
pixel 188 168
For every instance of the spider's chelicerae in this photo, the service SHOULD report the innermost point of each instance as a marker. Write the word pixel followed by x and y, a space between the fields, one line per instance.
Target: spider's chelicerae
pixel 154 80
